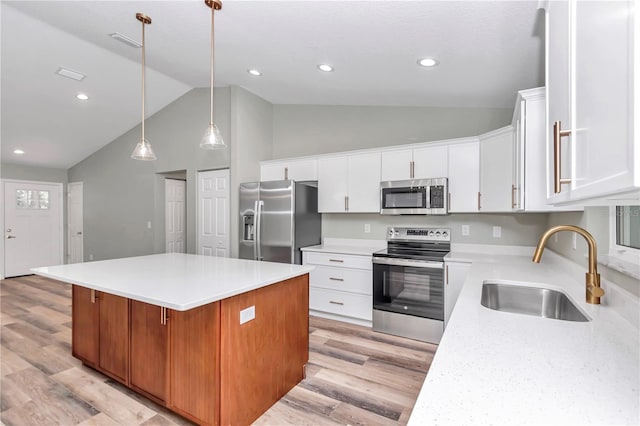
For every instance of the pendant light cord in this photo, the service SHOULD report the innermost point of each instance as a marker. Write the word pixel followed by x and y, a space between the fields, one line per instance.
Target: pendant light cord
pixel 143 68
pixel 212 32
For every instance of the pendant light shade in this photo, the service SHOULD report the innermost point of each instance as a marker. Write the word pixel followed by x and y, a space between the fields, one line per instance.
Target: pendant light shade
pixel 143 149
pixel 212 138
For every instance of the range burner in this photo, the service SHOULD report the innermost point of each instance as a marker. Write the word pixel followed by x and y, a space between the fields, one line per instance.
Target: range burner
pixel 422 244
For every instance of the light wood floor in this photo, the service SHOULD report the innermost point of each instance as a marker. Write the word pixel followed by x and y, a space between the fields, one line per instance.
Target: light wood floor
pixel 354 376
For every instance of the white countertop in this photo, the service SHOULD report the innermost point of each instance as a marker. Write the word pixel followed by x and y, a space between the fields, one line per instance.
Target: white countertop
pixel 348 246
pixel 502 368
pixel 174 280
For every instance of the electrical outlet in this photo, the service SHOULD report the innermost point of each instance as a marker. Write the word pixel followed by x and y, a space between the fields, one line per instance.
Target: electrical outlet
pixel 367 228
pixel 91 257
pixel 465 230
pixel 149 224
pixel 497 232
pixel 574 240
pixel 247 314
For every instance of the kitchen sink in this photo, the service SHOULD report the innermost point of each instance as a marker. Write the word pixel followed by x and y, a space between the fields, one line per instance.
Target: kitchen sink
pixel 536 301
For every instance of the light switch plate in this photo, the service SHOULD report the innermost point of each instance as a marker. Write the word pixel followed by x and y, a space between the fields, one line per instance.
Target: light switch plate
pixel 465 230
pixel 367 228
pixel 247 314
pixel 497 232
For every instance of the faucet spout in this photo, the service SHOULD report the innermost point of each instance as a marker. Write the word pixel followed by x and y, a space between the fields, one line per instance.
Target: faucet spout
pixel 592 279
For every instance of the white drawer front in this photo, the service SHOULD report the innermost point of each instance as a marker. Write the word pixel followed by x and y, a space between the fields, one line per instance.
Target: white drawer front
pixel 338 260
pixel 346 304
pixel 342 279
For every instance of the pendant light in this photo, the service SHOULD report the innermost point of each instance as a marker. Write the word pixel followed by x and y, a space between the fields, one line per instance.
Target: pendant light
pixel 143 149
pixel 212 138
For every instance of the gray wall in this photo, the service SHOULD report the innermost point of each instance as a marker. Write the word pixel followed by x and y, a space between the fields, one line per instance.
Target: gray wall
pixel 596 221
pixel 313 129
pixel 517 229
pixel 252 133
pixel 121 195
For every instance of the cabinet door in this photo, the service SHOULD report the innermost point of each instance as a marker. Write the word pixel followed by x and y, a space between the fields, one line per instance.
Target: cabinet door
pixel 396 165
pixel 430 162
pixel 496 157
pixel 301 170
pixel 558 52
pixel 455 274
pixel 84 340
pixel 603 112
pixel 114 336
pixel 332 184
pixel 272 172
pixel 364 183
pixel 464 177
pixel 149 349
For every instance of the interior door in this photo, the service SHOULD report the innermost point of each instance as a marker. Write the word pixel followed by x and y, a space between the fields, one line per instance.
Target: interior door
pixel 213 213
pixel 33 226
pixel 76 237
pixel 175 212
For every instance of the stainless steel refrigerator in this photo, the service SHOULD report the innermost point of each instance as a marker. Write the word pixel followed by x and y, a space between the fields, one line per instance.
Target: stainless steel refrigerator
pixel 277 218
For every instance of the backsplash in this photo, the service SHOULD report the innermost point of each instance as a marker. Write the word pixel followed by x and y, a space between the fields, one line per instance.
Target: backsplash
pixel 515 229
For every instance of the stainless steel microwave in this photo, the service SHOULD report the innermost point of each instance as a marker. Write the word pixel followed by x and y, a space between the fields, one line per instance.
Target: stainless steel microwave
pixel 417 196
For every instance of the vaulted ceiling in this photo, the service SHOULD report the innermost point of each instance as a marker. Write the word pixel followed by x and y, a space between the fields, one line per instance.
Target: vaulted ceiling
pixel 487 50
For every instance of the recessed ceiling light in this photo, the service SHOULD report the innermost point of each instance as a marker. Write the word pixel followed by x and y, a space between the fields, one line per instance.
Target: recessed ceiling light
pixel 126 40
pixel 74 75
pixel 428 62
pixel 82 96
pixel 18 151
pixel 254 72
pixel 325 67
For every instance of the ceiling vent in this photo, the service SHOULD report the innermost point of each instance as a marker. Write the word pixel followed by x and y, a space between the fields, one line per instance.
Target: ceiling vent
pixel 74 75
pixel 126 40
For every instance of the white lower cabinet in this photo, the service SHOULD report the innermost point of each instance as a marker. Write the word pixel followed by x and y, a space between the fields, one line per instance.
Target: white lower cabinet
pixel 340 287
pixel 454 275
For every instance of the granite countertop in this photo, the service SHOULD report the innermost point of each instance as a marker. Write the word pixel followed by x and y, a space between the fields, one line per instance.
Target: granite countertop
pixel 174 280
pixel 496 367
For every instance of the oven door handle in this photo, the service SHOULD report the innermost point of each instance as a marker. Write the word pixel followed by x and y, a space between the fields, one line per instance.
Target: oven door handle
pixel 407 262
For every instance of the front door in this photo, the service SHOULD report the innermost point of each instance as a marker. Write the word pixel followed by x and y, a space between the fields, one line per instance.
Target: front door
pixel 213 213
pixel 32 225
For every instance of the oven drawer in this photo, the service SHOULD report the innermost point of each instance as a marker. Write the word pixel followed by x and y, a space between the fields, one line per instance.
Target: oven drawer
pixel 341 303
pixel 338 260
pixel 341 279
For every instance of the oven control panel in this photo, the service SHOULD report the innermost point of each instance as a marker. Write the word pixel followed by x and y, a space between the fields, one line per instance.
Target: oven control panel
pixel 418 234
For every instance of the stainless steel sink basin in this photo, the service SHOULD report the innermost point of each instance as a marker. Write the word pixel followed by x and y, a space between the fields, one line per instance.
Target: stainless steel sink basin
pixel 536 301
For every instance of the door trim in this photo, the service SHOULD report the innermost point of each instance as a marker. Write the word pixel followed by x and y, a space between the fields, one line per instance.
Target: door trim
pixel 60 186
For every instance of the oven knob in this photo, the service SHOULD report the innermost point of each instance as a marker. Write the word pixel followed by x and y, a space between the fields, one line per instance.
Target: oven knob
pixel 438 234
pixel 431 233
pixel 444 234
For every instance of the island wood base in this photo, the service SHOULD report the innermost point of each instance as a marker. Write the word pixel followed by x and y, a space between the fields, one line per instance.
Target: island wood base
pixel 201 363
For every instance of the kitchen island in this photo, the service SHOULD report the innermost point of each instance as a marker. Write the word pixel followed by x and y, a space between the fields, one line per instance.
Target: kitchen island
pixel 216 340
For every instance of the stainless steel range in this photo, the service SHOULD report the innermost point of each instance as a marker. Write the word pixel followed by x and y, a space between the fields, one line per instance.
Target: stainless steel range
pixel 408 283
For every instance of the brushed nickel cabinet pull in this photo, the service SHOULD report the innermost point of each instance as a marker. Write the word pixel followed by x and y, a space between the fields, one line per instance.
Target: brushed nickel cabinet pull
pixel 286 173
pixel 412 169
pixel 449 200
pixel 513 196
pixel 336 260
pixel 479 195
pixel 336 303
pixel 558 133
pixel 336 279
pixel 346 203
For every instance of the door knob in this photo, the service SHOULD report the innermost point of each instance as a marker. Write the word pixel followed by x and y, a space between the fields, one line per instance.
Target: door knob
pixel 79 233
pixel 11 236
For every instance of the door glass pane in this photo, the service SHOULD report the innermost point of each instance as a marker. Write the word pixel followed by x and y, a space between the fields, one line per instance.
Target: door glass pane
pixel 30 199
pixel 21 199
pixel 44 199
pixel 628 226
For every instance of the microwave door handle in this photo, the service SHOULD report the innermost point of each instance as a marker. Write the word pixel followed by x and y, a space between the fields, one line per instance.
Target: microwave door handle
pixel 427 201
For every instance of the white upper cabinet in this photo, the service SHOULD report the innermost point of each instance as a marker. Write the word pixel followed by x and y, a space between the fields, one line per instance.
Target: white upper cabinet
pixel 417 163
pixel 349 183
pixel 464 177
pixel 496 159
pixel 591 97
pixel 299 170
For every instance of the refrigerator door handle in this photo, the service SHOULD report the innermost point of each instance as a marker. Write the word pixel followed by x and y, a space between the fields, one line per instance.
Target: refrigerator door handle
pixel 258 242
pixel 256 234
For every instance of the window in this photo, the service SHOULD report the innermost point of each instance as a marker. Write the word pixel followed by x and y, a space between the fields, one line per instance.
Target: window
pixel 625 233
pixel 33 200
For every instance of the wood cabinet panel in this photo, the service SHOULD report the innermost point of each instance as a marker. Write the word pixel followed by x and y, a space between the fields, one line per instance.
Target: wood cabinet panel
pixel 84 337
pixel 149 350
pixel 114 336
pixel 263 358
pixel 194 360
